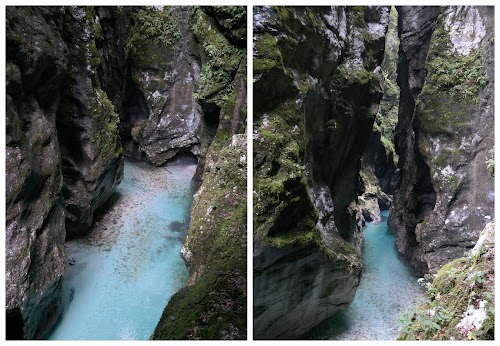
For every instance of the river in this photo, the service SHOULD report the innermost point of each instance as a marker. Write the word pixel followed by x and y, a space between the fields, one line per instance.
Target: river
pixel 388 287
pixel 119 278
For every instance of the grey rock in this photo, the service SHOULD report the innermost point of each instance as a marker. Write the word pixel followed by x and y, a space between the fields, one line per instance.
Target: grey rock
pixel 315 99
pixel 35 230
pixel 445 133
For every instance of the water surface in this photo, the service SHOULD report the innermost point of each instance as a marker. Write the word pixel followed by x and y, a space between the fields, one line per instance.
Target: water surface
pixel 387 288
pixel 119 279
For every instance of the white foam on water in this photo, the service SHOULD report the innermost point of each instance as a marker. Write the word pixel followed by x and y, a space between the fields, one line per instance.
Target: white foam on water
pixel 120 290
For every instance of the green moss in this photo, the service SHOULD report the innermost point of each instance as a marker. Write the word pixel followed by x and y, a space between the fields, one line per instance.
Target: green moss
pixel 96 27
pixel 387 117
pixel 452 85
pixel 107 137
pixel 268 55
pixel 95 55
pixel 221 60
pixel 459 284
pixel 453 181
pixel 216 303
pixel 153 26
pixel 213 308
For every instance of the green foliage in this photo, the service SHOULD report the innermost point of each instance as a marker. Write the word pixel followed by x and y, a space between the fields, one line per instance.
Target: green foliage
pixel 457 75
pixel 107 137
pixel 387 117
pixel 221 60
pixel 460 284
pixel 155 26
pixel 452 85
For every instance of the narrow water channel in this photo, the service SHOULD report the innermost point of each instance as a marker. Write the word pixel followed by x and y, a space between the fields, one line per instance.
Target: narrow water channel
pixel 387 288
pixel 119 279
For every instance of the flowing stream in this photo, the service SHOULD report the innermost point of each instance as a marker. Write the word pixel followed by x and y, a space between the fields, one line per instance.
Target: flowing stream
pixel 388 287
pixel 119 278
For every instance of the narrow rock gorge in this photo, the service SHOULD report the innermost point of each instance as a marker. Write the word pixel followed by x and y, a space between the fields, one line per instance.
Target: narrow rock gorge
pixel 363 109
pixel 318 84
pixel 88 87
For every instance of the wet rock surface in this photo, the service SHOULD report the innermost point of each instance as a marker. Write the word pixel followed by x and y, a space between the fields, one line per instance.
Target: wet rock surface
pixel 78 79
pixel 316 95
pixel 445 132
pixel 35 230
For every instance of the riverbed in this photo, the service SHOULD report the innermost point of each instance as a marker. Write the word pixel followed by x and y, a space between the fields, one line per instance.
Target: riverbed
pixel 388 287
pixel 119 279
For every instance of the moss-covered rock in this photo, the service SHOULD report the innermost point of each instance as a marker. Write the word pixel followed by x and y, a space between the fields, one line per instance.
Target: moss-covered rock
pixel 445 131
pixel 316 89
pixel 460 303
pixel 213 305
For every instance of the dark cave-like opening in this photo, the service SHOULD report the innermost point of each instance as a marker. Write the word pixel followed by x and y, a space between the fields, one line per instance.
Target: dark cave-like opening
pixel 183 157
pixel 14 324
pixel 211 115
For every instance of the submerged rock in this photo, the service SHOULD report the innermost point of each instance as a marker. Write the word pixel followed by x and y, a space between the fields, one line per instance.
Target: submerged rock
pixel 213 304
pixel 317 86
pixel 445 132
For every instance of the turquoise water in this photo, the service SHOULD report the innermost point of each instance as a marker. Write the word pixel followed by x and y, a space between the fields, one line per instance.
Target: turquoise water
pixel 124 273
pixel 387 288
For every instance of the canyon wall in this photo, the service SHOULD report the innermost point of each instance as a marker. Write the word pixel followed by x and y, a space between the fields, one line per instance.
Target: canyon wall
pixel 317 88
pixel 445 132
pixel 87 85
pixel 213 305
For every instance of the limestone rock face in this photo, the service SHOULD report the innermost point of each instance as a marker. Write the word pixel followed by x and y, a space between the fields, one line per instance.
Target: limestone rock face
pixel 317 86
pixel 173 78
pixel 213 304
pixel 63 154
pixel 34 241
pixel 165 75
pixel 445 132
pixel 87 125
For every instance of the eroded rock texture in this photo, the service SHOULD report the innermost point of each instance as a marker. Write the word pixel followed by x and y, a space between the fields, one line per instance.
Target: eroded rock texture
pixel 445 132
pixel 213 304
pixel 35 233
pixel 168 79
pixel 63 154
pixel 174 82
pixel 317 88
pixel 87 125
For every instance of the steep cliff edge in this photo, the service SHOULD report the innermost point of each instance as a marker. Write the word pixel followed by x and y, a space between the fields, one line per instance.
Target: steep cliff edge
pixel 317 86
pixel 444 133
